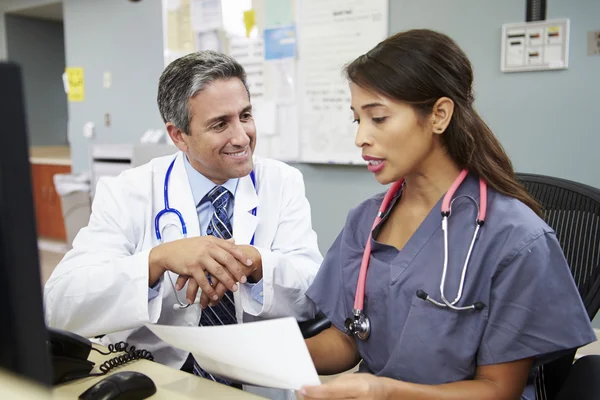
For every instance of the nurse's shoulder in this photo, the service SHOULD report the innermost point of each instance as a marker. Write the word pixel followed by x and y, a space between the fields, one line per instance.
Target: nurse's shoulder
pixel 512 223
pixel 507 215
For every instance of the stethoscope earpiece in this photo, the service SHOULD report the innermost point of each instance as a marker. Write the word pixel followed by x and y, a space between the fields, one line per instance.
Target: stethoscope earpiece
pixel 422 294
pixel 478 306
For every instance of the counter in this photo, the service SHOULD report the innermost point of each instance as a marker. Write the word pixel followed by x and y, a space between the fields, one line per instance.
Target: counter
pixel 50 155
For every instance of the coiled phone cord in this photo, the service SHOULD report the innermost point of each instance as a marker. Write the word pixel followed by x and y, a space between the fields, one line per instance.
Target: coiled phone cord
pixel 131 354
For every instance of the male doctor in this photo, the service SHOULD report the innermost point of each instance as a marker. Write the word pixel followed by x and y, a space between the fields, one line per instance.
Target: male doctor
pixel 250 247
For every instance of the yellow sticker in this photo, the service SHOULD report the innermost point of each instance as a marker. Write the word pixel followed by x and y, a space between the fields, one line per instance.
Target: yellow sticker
pixel 249 21
pixel 76 84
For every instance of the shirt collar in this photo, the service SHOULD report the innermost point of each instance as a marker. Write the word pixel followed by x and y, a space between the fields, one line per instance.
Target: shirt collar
pixel 201 185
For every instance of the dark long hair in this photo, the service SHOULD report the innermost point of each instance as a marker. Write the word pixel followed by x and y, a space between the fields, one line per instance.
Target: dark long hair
pixel 418 67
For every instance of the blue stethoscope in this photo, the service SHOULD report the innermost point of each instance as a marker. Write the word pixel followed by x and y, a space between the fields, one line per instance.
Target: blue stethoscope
pixel 168 209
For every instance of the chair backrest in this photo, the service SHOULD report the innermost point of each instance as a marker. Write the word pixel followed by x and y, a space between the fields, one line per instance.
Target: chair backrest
pixel 573 210
pixel 583 382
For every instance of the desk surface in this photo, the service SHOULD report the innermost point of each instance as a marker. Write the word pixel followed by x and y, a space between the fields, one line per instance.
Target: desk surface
pixel 170 383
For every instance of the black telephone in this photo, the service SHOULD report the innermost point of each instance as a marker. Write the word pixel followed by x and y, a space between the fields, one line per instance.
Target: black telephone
pixel 70 354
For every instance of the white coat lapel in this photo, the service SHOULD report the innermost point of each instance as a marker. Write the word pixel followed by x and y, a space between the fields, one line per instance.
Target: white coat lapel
pixel 244 223
pixel 181 199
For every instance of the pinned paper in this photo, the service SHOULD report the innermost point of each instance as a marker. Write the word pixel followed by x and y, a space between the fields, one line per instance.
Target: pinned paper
pixel 278 13
pixel 249 21
pixel 250 53
pixel 76 84
pixel 206 15
pixel 264 113
pixel 280 43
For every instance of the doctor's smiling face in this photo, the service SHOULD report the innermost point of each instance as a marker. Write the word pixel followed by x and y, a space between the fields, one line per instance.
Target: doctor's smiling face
pixel 222 133
pixel 204 101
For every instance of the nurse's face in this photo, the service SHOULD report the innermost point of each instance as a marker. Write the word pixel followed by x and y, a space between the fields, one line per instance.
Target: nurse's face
pixel 393 139
pixel 222 134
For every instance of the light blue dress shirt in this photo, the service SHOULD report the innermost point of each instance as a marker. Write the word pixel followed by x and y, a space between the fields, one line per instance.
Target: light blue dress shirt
pixel 200 187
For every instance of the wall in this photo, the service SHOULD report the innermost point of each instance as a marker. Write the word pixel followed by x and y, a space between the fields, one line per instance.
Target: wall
pixel 38 46
pixel 14 5
pixel 125 39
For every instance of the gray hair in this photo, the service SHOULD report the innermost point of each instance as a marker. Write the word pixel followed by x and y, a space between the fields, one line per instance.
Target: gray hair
pixel 188 75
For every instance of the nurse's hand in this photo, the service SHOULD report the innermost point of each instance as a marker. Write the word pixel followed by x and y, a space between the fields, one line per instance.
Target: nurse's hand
pixel 195 258
pixel 348 386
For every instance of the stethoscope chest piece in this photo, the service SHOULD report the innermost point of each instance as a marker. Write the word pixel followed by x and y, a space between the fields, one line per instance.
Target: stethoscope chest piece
pixel 359 326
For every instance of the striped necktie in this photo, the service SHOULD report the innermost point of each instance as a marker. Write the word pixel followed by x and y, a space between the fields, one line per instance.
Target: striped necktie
pixel 220 226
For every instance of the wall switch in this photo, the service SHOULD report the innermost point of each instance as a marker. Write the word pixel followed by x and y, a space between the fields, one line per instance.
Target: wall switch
pixel 594 43
pixel 107 81
pixel 88 130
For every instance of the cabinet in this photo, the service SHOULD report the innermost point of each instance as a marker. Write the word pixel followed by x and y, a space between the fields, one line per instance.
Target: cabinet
pixel 48 212
pixel 112 159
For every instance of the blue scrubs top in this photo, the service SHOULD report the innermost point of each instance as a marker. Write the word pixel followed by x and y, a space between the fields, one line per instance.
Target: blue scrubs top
pixel 517 269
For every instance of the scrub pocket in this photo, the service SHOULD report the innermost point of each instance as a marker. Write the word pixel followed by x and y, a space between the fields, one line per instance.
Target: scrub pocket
pixel 437 345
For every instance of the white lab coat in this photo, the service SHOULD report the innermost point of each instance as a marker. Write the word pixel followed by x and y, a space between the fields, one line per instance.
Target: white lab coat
pixel 101 285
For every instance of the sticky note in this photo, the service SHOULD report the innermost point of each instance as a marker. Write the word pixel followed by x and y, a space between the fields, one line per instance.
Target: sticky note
pixel 75 80
pixel 249 21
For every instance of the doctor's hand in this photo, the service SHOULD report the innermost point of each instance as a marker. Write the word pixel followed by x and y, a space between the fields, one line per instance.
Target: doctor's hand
pixel 349 386
pixel 195 258
pixel 254 271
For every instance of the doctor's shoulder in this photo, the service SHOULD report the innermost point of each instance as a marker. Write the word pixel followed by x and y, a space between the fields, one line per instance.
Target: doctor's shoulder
pixel 129 186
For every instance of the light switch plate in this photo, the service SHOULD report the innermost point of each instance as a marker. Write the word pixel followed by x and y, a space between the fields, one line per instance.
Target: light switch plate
pixel 594 43
pixel 107 81
pixel 88 130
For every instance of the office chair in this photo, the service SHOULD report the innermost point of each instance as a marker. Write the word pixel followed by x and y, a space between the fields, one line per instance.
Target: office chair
pixel 573 210
pixel 314 326
pixel 582 382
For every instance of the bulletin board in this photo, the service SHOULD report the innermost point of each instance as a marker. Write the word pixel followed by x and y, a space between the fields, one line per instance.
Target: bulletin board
pixel 293 52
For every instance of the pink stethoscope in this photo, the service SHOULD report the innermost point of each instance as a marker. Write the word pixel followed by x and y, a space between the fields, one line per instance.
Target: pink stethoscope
pixel 359 324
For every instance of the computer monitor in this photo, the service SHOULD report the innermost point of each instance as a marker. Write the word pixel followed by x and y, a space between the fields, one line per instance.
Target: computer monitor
pixel 23 335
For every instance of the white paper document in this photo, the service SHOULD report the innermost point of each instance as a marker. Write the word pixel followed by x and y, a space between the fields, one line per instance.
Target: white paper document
pixel 265 117
pixel 250 53
pixel 332 33
pixel 267 353
pixel 206 15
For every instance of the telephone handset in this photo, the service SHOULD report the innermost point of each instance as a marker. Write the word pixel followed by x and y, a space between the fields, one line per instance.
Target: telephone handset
pixel 70 354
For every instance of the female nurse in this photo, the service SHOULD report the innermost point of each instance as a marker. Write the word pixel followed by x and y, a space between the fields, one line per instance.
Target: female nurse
pixel 412 99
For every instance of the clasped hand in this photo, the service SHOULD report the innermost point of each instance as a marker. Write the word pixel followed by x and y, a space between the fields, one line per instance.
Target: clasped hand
pixel 205 262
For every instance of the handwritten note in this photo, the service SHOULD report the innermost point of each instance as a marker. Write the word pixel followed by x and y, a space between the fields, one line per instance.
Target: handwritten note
pixel 333 33
pixel 250 53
